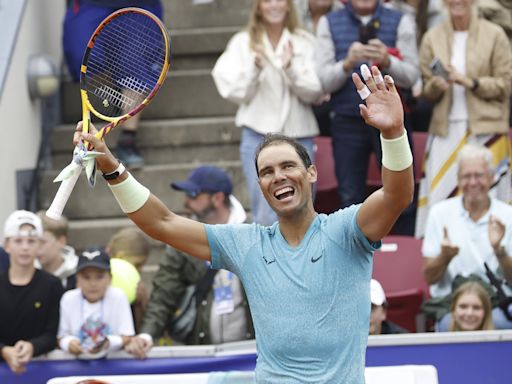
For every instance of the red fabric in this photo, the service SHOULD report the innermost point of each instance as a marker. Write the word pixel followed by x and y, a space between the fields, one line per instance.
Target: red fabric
pixel 396 53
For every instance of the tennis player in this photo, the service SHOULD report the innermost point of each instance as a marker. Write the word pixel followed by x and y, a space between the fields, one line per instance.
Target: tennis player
pixel 307 276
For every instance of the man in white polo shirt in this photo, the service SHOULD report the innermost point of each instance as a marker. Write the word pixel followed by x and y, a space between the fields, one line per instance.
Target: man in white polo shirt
pixel 464 232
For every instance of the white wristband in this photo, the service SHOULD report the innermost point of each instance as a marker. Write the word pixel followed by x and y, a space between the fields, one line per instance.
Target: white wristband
pixel 396 153
pixel 130 194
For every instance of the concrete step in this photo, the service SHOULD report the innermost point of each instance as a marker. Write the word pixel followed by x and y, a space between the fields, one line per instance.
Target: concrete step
pixel 181 14
pixel 198 48
pixel 166 141
pixel 98 203
pixel 184 94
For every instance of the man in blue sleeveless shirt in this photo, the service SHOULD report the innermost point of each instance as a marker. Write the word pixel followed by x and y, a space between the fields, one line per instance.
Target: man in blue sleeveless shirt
pixel 364 31
pixel 307 277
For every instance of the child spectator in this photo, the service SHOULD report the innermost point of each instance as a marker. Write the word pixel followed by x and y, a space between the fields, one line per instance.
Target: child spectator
pixel 471 308
pixel 95 318
pixel 55 256
pixel 29 298
pixel 378 323
pixel 132 246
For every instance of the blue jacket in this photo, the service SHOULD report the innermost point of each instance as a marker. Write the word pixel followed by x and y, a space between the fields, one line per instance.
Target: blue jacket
pixel 344 26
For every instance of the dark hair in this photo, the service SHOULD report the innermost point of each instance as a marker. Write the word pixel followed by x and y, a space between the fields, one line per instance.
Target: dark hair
pixel 276 139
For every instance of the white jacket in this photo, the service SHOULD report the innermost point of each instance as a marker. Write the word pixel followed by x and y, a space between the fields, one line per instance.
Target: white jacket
pixel 271 99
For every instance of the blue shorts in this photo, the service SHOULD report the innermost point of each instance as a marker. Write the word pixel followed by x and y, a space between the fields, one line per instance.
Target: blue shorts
pixel 78 28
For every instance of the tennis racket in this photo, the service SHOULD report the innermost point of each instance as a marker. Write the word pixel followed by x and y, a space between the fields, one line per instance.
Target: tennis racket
pixel 124 65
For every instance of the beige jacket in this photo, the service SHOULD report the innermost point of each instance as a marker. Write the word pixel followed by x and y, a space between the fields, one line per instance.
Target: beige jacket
pixel 488 59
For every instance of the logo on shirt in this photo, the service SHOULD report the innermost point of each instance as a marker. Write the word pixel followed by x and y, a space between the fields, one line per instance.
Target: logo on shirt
pixel 315 259
pixel 268 261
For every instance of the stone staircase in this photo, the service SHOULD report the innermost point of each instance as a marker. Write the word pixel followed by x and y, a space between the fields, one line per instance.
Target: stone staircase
pixel 187 124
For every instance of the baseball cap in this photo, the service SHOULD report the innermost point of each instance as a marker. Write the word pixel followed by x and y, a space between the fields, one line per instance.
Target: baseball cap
pixel 206 178
pixel 19 218
pixel 93 257
pixel 377 295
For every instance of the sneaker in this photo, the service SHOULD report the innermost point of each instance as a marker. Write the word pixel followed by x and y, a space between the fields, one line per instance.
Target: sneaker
pixel 129 155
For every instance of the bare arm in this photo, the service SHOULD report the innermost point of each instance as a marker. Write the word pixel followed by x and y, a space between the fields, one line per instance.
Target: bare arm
pixel 434 268
pixel 384 111
pixel 154 218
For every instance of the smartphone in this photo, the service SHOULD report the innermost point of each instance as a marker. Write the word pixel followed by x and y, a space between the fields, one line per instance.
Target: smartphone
pixel 367 32
pixel 438 69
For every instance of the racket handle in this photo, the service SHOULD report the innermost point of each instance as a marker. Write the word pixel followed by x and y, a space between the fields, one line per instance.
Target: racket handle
pixel 62 196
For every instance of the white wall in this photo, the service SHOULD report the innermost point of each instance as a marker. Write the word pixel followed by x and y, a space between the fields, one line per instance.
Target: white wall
pixel 20 124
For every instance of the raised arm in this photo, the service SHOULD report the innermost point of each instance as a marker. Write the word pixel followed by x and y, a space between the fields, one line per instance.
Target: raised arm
pixel 145 209
pixel 384 111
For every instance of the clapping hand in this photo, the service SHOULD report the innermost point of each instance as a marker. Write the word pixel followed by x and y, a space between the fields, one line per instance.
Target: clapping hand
pixel 448 249
pixel 496 231
pixel 287 56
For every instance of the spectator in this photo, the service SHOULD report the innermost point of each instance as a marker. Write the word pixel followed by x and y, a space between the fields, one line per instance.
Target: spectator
pixel 471 102
pixel 209 199
pixel 268 71
pixel 29 298
pixel 364 31
pixel 378 323
pixel 130 245
pixel 55 256
pixel 307 276
pixel 95 317
pixel 465 231
pixel 471 308
pixel 80 21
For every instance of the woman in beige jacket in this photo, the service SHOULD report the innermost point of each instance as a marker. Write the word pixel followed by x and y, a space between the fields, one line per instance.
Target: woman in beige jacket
pixel 471 96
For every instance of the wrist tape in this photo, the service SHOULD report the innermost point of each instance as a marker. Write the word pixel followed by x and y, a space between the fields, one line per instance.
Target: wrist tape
pixel 130 194
pixel 396 153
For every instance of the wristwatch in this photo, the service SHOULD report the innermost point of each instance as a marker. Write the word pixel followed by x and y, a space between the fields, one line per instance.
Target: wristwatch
pixel 116 173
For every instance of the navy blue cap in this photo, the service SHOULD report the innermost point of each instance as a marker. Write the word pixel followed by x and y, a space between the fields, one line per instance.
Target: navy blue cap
pixel 93 257
pixel 207 179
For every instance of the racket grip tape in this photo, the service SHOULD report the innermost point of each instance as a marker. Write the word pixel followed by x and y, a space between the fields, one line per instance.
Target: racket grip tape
pixel 62 196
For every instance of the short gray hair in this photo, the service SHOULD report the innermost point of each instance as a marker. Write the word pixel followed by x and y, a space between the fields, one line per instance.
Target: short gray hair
pixel 471 151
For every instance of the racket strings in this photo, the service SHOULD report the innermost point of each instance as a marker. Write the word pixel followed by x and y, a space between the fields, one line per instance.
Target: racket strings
pixel 125 64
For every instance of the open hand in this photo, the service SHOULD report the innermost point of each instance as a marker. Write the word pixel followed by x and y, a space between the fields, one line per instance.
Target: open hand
pixel 496 231
pixel 383 109
pixel 287 56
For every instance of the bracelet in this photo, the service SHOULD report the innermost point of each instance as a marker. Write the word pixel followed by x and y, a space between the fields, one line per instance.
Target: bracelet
pixel 116 173
pixel 396 153
pixel 130 194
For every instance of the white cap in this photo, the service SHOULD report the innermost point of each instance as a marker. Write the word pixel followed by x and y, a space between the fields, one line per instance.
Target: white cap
pixel 15 221
pixel 377 295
